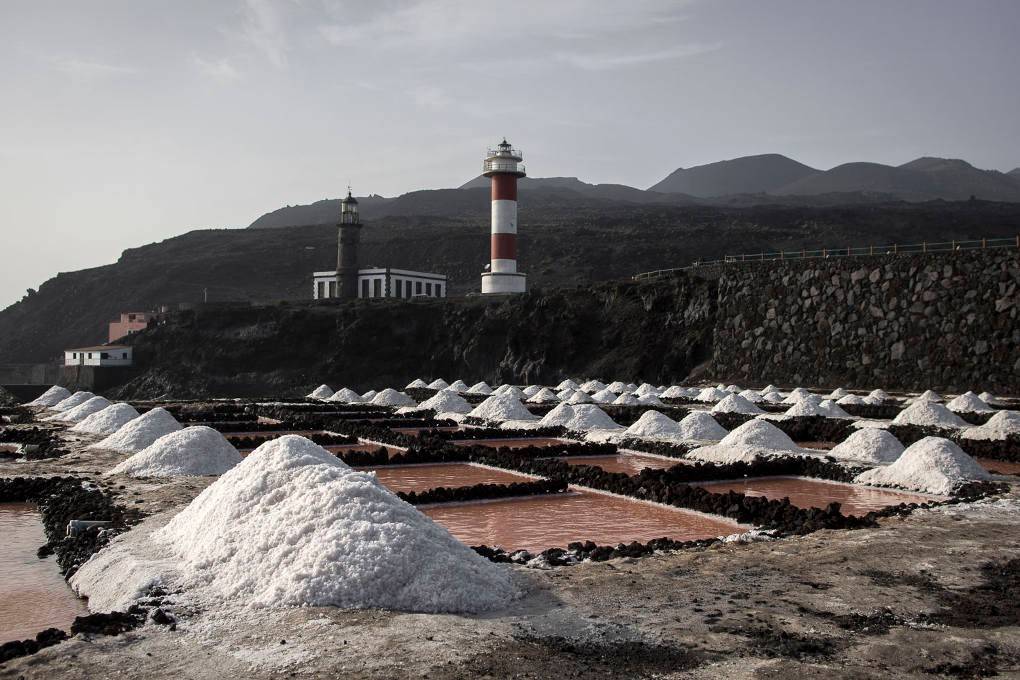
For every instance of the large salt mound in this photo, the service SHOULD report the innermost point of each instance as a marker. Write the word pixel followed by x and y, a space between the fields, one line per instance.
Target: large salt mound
pixel 51 397
pixel 567 384
pixel 140 432
pixel 193 451
pixel 711 395
pixel 544 396
pixel 560 416
pixel 458 386
pixel 345 395
pixel 653 424
pixel 626 400
pixel 446 401
pixel 502 407
pixel 930 414
pixel 417 384
pixel 82 411
pixel 832 410
pixel 869 445
pixel 480 388
pixel 438 384
pixel 107 421
pixel 294 526
pixel 591 417
pixel 746 443
pixel 931 465
pixel 736 404
pixel 701 426
pixel 320 392
pixel 604 396
pixel 1000 426
pixel 76 399
pixel 390 397
pixel 968 402
pixel 645 389
pixel 580 397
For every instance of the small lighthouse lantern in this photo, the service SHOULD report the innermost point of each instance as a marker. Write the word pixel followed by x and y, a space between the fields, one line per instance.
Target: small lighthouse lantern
pixel 349 209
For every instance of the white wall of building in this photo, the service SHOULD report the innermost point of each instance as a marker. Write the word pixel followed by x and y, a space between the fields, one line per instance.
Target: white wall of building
pixel 99 356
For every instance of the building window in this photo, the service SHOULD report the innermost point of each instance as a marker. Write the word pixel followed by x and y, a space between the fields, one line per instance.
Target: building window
pixel 376 287
pixel 124 356
pixel 417 287
pixel 428 289
pixel 332 289
pixel 320 290
pixel 400 288
pixel 104 355
pixel 364 288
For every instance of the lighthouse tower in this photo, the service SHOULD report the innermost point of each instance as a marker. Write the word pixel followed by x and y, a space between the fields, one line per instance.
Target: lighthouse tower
pixel 349 229
pixel 503 166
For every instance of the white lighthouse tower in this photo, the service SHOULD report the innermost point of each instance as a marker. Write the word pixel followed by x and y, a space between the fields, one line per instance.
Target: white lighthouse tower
pixel 503 166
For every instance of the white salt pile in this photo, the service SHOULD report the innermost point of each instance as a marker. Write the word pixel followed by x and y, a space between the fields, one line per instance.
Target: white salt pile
pixel 593 386
pixel 968 402
pixel 76 399
pixel 446 401
pixel 190 452
pixel 107 421
pixel 82 411
pixel 617 387
pixel 733 389
pixel 804 406
pixel 735 403
pixel 881 395
pixel 851 400
pixel 770 388
pixel 928 395
pixel 438 384
pixel 591 417
pixel 929 414
pixel 796 395
pixel 837 394
pixel 320 392
pixel 530 390
pixel 604 396
pixel 831 409
pixel 870 445
pixel 1002 425
pixel 654 425
pixel 345 395
pixel 650 400
pixel 140 432
pixel 629 387
pixel 626 400
pixel 568 384
pixel 294 526
pixel 580 397
pixel 564 395
pixel 700 426
pixel 772 397
pixel 501 407
pixel 416 384
pixel 645 389
pixel 369 396
pixel 711 395
pixel 931 465
pixel 751 440
pixel 509 390
pixel 560 416
pixel 480 388
pixel 390 397
pixel 674 392
pixel 752 396
pixel 458 386
pixel 51 397
pixel 544 396
pixel 990 399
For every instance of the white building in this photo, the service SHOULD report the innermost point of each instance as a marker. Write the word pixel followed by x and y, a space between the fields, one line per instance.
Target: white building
pixel 102 355
pixel 382 282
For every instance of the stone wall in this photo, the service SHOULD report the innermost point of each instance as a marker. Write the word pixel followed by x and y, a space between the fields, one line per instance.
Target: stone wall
pixel 947 321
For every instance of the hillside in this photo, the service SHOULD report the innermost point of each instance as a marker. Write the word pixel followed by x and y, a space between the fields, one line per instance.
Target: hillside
pixel 748 175
pixel 559 248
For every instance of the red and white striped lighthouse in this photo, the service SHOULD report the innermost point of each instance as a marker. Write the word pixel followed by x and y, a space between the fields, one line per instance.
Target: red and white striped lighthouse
pixel 503 166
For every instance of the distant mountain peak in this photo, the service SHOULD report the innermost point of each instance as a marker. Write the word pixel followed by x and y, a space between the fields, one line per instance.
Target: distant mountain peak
pixel 762 173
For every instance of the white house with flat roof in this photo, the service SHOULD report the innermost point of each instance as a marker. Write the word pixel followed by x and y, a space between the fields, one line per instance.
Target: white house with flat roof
pixel 101 355
pixel 380 282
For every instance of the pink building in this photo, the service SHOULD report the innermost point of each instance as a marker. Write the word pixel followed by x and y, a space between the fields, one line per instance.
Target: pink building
pixel 130 322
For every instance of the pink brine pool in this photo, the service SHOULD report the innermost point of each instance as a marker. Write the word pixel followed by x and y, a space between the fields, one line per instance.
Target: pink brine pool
pixel 809 493
pixel 432 476
pixel 541 522
pixel 627 463
pixel 519 443
pixel 1001 467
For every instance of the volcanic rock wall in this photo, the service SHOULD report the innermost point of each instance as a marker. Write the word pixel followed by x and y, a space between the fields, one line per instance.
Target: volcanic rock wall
pixel 949 321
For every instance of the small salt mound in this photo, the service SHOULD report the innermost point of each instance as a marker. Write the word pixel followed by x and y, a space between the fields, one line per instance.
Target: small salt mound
pixel 645 389
pixel 830 409
pixel 928 395
pixel 458 386
pixel 749 441
pixel 390 397
pixel 990 399
pixel 294 526
pixel 501 407
pixel 140 432
pixel 51 397
pixel 438 384
pixel 837 394
pixel 617 387
pixel 560 416
pixel 931 465
pixel 770 388
pixel 869 445
pixel 107 421
pixel 510 390
pixel 796 395
pixel 605 396
pixel 626 400
pixel 530 390
pixel 881 395
pixel 76 399
pixel 630 387
pixel 417 384
pixel 653 424
pixel 564 395
pixel 650 400
pixel 593 386
pixel 1002 425
pixel 193 451
pixel 320 392
pixel 580 397
pixel 591 417
pixel 736 404
pixel 752 396
pixel 851 400
pixel 567 384
pixel 873 401
pixel 772 397
pixel 928 413
pixel 674 392
pixel 446 401
pixel 544 396
pixel 968 402
pixel 701 426
pixel 480 388
pixel 806 406
pixel 346 395
pixel 82 411
pixel 369 396
pixel 711 395
pixel 733 389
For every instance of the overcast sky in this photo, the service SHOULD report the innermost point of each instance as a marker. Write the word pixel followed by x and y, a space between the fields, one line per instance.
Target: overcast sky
pixel 128 121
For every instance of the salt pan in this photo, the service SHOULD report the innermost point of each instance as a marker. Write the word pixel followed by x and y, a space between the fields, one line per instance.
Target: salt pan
pixel 193 451
pixel 931 465
pixel 140 432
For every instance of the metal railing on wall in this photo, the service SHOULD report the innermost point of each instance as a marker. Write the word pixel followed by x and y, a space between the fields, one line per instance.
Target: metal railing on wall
pixel 848 251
